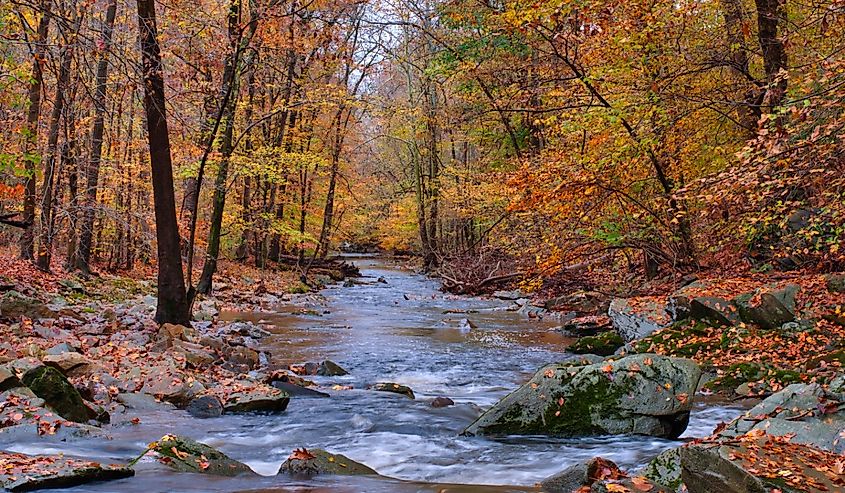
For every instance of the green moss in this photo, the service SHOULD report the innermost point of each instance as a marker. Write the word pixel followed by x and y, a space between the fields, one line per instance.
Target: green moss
pixel 603 344
pixel 740 373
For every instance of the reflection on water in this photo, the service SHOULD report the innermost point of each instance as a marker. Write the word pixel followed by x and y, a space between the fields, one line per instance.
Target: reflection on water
pixel 400 332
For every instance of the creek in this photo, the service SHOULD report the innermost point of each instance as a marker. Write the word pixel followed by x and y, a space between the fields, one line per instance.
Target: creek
pixel 406 331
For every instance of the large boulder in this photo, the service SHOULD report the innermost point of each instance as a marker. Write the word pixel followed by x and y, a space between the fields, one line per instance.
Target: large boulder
pixel 186 455
pixel 49 384
pixel 808 413
pixel 642 394
pixel 19 472
pixel 312 462
pixel 635 318
pixel 707 471
pixel 769 306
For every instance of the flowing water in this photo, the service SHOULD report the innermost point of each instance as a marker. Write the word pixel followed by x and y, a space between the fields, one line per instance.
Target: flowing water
pixel 404 331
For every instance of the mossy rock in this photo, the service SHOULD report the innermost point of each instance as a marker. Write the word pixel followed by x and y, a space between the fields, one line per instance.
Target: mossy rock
pixel 312 462
pixel 394 388
pixel 835 282
pixel 643 394
pixel 49 384
pixel 28 473
pixel 603 344
pixel 743 373
pixel 185 455
pixel 665 469
pixel 14 305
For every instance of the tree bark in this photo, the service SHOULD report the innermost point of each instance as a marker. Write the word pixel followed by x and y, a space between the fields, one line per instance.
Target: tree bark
pixel 172 299
pixel 92 174
pixel 27 240
pixel 45 239
pixel 771 14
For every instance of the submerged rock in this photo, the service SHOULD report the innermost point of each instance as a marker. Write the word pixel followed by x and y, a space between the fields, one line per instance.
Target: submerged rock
pixel 186 455
pixel 394 388
pixel 317 461
pixel 19 472
pixel 642 394
pixel 49 384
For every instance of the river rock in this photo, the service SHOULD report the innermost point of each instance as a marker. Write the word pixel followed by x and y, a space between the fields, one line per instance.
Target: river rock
pixel 329 368
pixel 142 402
pixel 297 390
pixel 196 355
pixel 636 318
pixel 242 356
pixel 186 455
pixel 313 462
pixel 21 472
pixel 168 383
pixel 642 394
pixel 205 406
pixel 508 295
pixel 50 385
pixel 603 344
pixel 707 471
pixel 577 475
pixel 394 388
pixel 14 305
pixel 67 362
pixel 439 402
pixel 256 398
pixel 769 307
pixel 206 310
pixel 807 412
pixel 714 310
pixel 8 379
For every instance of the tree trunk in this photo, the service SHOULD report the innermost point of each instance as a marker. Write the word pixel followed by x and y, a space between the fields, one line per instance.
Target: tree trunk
pixel 172 299
pixel 92 174
pixel 27 240
pixel 230 73
pixel 771 14
pixel 45 239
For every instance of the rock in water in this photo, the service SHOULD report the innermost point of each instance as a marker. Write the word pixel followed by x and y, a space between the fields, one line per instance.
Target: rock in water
pixel 582 474
pixel 19 472
pixel 329 368
pixel 186 455
pixel 256 399
pixel 394 388
pixel 49 384
pixel 205 406
pixel 643 394
pixel 439 402
pixel 317 461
